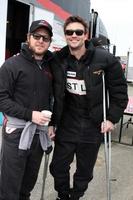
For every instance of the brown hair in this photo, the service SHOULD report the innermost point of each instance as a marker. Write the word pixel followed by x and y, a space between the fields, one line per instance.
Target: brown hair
pixel 78 19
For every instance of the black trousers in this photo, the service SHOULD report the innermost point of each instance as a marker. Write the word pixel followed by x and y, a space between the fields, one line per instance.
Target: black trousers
pixel 86 155
pixel 19 170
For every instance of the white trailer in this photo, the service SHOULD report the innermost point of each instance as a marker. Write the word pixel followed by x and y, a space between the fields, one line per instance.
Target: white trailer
pixel 15 19
pixel 17 15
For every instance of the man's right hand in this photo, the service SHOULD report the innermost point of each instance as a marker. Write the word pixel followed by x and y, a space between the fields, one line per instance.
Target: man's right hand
pixel 39 118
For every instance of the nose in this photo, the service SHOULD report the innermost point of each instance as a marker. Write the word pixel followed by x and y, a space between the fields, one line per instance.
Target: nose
pixel 74 34
pixel 41 39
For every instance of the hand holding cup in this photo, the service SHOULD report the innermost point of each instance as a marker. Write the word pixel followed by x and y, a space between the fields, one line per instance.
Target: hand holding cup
pixel 47 114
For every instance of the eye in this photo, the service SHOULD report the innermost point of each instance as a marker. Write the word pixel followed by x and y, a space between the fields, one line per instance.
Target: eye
pixel 39 36
pixel 78 32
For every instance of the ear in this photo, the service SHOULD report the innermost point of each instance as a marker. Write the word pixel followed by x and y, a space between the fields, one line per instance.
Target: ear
pixel 50 41
pixel 86 36
pixel 49 44
pixel 28 37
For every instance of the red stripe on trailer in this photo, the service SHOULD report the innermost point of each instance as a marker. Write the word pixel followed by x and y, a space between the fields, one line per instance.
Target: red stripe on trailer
pixel 48 4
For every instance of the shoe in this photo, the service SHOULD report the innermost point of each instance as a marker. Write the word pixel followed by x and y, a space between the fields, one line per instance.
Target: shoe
pixel 73 197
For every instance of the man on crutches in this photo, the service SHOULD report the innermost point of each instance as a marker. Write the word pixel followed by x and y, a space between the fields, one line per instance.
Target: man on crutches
pixel 78 107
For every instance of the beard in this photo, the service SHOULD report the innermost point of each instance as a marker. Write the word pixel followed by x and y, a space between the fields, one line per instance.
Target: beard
pixel 36 52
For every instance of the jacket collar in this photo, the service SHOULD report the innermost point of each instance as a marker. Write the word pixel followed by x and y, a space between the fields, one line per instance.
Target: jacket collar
pixel 65 52
pixel 27 53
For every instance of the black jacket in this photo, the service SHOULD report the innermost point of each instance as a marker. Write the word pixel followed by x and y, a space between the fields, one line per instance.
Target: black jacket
pixel 96 60
pixel 25 85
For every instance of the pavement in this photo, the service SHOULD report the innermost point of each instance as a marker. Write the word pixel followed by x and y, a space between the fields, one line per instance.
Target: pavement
pixel 121 170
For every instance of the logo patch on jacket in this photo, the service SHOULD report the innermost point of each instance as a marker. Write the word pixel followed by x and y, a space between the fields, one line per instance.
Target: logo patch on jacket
pixel 98 72
pixel 71 74
pixel 76 86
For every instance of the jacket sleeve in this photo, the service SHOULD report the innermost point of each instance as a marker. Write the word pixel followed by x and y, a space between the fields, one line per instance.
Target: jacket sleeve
pixel 117 87
pixel 8 105
pixel 58 92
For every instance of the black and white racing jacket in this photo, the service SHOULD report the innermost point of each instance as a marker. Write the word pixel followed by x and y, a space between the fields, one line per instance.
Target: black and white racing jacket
pixel 96 61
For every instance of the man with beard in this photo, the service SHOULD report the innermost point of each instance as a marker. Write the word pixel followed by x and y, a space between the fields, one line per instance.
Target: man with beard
pixel 25 90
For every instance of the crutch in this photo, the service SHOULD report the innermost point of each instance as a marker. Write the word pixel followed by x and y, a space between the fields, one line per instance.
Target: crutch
pixel 45 170
pixel 107 145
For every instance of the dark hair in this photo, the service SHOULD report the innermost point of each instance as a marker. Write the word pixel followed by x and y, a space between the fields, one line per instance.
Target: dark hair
pixel 78 19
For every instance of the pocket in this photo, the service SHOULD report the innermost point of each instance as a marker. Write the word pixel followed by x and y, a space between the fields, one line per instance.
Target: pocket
pixel 9 130
pixel 12 137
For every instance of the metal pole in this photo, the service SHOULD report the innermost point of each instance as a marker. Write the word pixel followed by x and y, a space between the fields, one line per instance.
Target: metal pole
pixel 45 174
pixel 107 145
pixel 127 67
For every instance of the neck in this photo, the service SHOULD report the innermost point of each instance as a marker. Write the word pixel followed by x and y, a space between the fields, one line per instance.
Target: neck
pixel 38 57
pixel 78 53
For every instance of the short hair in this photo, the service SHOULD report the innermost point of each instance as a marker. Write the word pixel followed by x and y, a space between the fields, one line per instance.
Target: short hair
pixel 78 19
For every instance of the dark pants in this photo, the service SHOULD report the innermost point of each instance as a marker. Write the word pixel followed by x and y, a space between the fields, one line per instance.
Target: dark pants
pixel 19 170
pixel 86 155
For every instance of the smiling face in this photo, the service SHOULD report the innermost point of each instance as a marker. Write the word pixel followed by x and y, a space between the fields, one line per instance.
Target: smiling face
pixel 75 36
pixel 39 42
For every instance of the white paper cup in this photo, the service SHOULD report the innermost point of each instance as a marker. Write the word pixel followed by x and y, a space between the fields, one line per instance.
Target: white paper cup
pixel 46 113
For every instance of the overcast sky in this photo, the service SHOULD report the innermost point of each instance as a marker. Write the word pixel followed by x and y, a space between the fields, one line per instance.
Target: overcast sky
pixel 117 16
